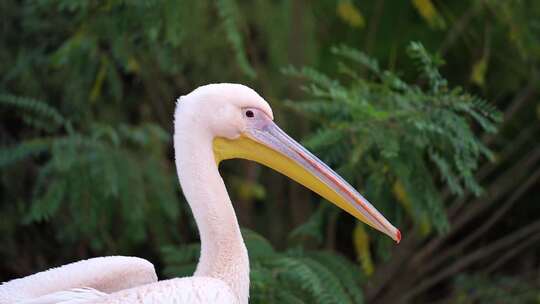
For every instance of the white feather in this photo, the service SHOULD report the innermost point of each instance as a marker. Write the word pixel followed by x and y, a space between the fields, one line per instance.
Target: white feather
pixel 107 274
pixel 73 296
pixel 192 290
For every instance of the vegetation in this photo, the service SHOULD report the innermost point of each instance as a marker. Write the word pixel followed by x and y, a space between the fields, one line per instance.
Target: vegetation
pixel 429 108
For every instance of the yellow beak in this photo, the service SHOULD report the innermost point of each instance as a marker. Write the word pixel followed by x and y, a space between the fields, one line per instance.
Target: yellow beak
pixel 267 144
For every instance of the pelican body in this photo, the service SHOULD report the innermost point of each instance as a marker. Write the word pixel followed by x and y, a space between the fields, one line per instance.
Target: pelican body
pixel 211 124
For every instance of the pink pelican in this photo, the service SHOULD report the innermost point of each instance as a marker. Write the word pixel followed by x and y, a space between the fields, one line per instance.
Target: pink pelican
pixel 213 123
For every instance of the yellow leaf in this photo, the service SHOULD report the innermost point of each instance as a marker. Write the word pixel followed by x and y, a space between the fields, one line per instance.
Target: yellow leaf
pixel 425 225
pixel 350 14
pixel 133 65
pixel 98 83
pixel 478 73
pixel 429 13
pixel 516 36
pixel 248 190
pixel 361 246
pixel 401 196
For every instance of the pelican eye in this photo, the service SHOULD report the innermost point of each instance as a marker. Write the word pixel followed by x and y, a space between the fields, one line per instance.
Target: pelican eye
pixel 249 113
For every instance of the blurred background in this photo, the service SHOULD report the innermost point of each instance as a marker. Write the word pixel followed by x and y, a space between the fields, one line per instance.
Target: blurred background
pixel 429 108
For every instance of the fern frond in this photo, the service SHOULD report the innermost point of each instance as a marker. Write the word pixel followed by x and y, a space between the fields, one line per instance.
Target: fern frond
pixel 348 273
pixel 257 245
pixel 180 260
pixel 358 57
pixel 313 228
pixel 228 11
pixel 427 66
pixel 23 150
pixel 295 272
pixel 37 112
pixel 384 128
pixel 331 282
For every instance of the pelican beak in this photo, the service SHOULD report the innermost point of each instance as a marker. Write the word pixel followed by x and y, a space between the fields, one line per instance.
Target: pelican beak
pixel 265 143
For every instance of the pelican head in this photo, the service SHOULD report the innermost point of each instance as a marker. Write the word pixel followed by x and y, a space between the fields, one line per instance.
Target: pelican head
pixel 240 124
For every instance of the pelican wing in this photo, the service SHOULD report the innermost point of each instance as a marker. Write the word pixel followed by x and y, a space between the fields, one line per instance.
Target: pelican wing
pixel 191 290
pixel 73 296
pixel 103 274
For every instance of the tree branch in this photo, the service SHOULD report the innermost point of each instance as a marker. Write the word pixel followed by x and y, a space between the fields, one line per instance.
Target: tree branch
pixel 502 185
pixel 490 167
pixel 485 226
pixel 472 258
pixel 511 253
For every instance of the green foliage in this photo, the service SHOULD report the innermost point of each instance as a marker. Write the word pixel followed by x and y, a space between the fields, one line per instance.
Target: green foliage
pixel 383 130
pixel 313 228
pixel 103 184
pixel 34 112
pixel 92 47
pixel 229 13
pixel 293 276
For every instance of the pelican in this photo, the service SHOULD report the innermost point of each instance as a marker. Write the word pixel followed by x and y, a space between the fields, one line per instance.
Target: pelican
pixel 215 122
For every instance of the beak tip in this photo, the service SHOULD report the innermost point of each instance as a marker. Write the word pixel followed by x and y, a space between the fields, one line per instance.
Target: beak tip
pixel 398 236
